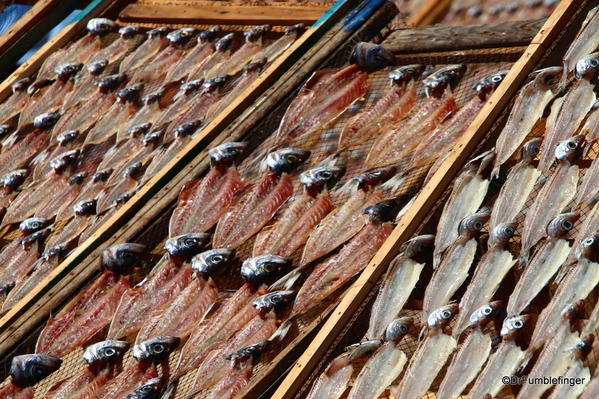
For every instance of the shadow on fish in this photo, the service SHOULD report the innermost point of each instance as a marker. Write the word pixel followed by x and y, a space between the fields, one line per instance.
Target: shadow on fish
pixel 371 57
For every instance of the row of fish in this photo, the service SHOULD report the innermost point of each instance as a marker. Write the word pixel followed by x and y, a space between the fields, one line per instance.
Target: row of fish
pixel 468 12
pixel 77 145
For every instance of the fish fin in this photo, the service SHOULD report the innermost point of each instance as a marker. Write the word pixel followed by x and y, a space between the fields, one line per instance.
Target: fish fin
pixel 563 270
pixel 334 159
pixel 40 158
pixel 286 282
pixel 404 210
pixel 523 259
pixel 170 389
pixel 281 331
pixel 10 140
pixel 394 183
pixel 349 188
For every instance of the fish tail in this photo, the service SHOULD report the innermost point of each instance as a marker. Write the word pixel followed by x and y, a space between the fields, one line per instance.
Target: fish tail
pixel 523 260
pixel 394 183
pixel 286 282
pixel 170 389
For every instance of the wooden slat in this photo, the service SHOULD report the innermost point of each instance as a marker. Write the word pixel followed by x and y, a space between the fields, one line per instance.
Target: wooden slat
pixel 81 265
pixel 222 14
pixel 456 38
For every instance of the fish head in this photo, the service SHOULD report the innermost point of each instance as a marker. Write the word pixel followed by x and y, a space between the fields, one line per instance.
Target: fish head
pixel 85 207
pixel 130 93
pixel 187 129
pixel 263 269
pixel 110 82
pixel 27 370
pixel 65 71
pixel 385 210
pixel 249 352
pixel 190 87
pixel 589 248
pixel 14 179
pixel 67 137
pixel 449 76
pixel 57 252
pixel 562 224
pixel 286 160
pixel 97 68
pixel 404 74
pixel 546 77
pixel 182 36
pixel 398 329
pixel 275 300
pixel 294 29
pixel 148 390
pixel 105 351
pixel 139 130
pixel 489 83
pixel 5 129
pixel 122 258
pixel 513 326
pixel 363 349
pixel 158 32
pixel 77 179
pixel 212 262
pixel 215 84
pixel 101 26
pixel 64 160
pixel 35 238
pixel 530 150
pixel 418 246
pixel 570 149
pixel 225 154
pixel 123 199
pixel 373 177
pixel 133 169
pixel 441 317
pixel 257 33
pixel 573 311
pixel 587 67
pixel 319 178
pixel 224 43
pixel 370 57
pixel 101 175
pixel 503 232
pixel 21 85
pixel 128 32
pixel 472 225
pixel 254 66
pixel 46 121
pixel 584 347
pixel 186 245
pixel 208 35
pixel 31 225
pixel 152 98
pixel 486 313
pixel 152 139
pixel 155 349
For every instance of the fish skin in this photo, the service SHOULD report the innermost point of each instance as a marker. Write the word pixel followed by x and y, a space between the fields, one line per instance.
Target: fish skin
pixel 325 96
pixel 555 194
pixel 575 286
pixel 202 50
pixel 168 278
pixel 469 188
pixel 155 40
pixel 544 264
pixel 505 361
pixel 83 316
pixel 400 280
pixel 148 390
pixel 448 133
pixel 27 370
pixel 16 102
pixel 421 371
pixel 530 103
pixel 84 86
pixel 576 104
pixel 389 109
pixel 584 43
pixel 489 273
pixel 183 313
pixel 330 275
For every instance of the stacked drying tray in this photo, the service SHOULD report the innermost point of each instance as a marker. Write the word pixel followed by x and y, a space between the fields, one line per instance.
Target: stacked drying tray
pixel 527 245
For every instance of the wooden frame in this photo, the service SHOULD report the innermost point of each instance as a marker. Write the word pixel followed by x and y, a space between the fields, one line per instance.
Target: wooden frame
pixel 425 200
pixel 164 188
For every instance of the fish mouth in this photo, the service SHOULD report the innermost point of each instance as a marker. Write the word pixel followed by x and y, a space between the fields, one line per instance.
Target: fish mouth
pixel 212 262
pixel 570 149
pixel 248 352
pixel 14 179
pixel 490 83
pixel 215 83
pixel 263 269
pixel 67 137
pixel 256 33
pixel 321 177
pixel 385 210
pixel 187 129
pixel 34 224
pixel 209 34
pixel 157 32
pixel 110 82
pixel 101 26
pixel 68 70
pixel 130 93
pixel 96 68
pixel 404 74
pixel 105 351
pixel 85 207
pixel 139 130
pixel 398 328
pixel 27 370
pixel 224 43
pixel 186 245
pixel 181 36
pixel 436 83
pixel 294 28
pixel 128 32
pixel 63 161
pixel 274 300
pixel 371 57
pixel 21 85
pixel 226 153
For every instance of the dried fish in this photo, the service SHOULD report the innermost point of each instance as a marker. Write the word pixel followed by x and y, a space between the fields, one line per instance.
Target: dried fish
pixel 156 39
pixel 27 370
pixel 17 100
pixel 141 122
pixel 119 47
pixel 576 372
pixel 185 97
pixel 202 50
pixel 528 108
pixel 84 87
pixel 276 48
pixel 586 41
pixel 221 51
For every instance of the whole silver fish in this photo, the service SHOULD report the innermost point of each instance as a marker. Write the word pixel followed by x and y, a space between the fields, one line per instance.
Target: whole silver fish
pixel 488 275
pixel 528 109
pixel 544 264
pixel 454 268
pixel 402 276
pixel 468 192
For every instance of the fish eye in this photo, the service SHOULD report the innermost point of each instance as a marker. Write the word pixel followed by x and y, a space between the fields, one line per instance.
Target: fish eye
pixel 128 257
pixel 403 329
pixel 567 225
pixel 216 259
pixel 103 27
pixel 410 70
pixel 518 324
pixel 378 59
pixel 326 175
pixel 487 310
pixel 594 63
pixel 35 225
pixel 496 78
pixel 37 370
pixel 589 241
pixel 276 298
pixel 158 348
pixel 478 225
pixel 572 145
pixel 109 352
pixel 291 158
pixel 446 314
pixel 190 242
pixel 269 267
pixel 146 388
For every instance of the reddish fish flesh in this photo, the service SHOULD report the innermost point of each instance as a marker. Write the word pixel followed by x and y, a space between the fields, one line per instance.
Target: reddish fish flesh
pixel 221 51
pixel 163 155
pixel 352 258
pixel 68 194
pixel 84 316
pixel 276 48
pixel 200 52
pixel 118 48
pixel 140 122
pixel 89 191
pixel 127 381
pixel 11 391
pixel 185 97
pixel 389 109
pixel 325 96
pixel 528 109
pixel 85 86
pixel 110 196
pixel 17 100
pixel 19 154
pixel 588 189
pixel 79 386
pixel 156 39
pixel 233 383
